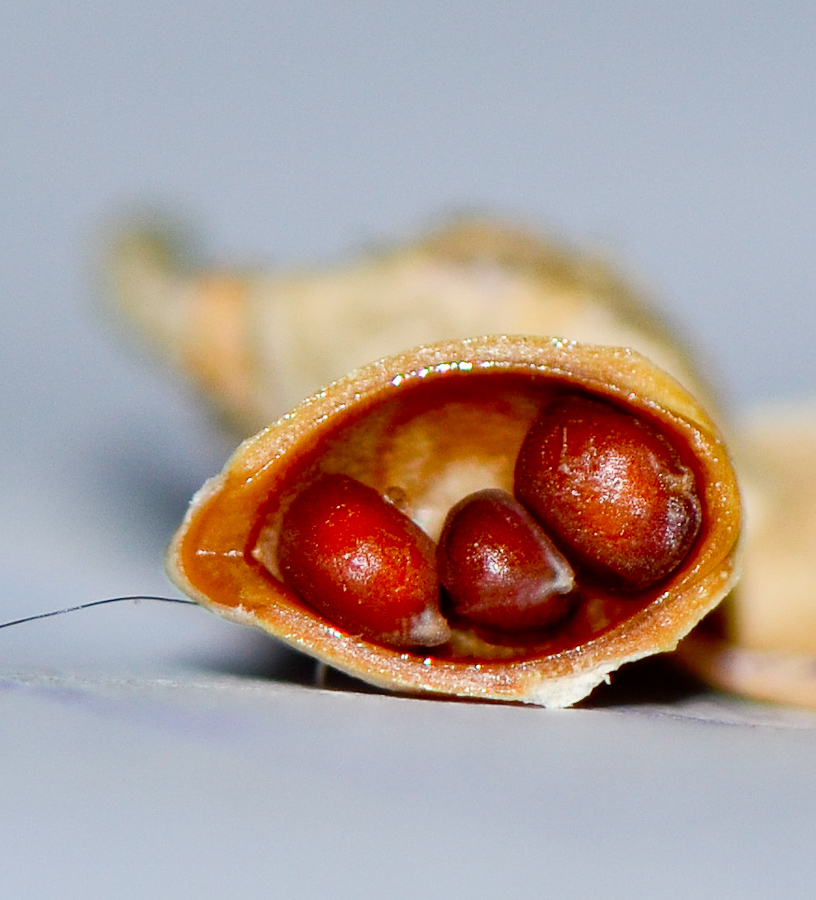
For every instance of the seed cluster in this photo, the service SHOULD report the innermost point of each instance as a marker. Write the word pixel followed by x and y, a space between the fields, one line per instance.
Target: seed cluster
pixel 599 494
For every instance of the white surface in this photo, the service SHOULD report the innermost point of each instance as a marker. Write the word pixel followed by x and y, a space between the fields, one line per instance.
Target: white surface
pixel 154 751
pixel 217 787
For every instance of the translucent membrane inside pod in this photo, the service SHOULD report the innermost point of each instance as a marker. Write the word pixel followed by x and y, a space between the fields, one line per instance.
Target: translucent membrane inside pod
pixel 420 432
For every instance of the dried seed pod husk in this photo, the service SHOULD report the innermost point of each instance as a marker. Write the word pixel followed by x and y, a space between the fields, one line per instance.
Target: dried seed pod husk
pixel 425 428
pixel 761 642
pixel 259 342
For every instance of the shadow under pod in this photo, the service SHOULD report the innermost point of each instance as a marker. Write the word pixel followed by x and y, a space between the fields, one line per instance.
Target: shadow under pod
pixel 260 656
pixel 656 680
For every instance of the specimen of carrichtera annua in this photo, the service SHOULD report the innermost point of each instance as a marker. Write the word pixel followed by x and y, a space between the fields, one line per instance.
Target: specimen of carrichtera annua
pixel 485 468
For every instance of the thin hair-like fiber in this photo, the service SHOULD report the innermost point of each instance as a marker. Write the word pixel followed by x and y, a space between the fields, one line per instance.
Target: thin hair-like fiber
pixel 320 669
pixel 70 609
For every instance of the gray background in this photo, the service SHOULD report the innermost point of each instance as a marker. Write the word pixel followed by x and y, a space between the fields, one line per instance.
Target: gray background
pixel 679 137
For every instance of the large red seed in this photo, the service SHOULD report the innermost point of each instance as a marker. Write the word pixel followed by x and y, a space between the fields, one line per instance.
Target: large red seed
pixel 499 568
pixel 362 563
pixel 610 490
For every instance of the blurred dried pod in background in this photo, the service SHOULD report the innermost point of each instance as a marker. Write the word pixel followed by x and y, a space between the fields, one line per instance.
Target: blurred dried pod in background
pixel 257 343
pixel 761 642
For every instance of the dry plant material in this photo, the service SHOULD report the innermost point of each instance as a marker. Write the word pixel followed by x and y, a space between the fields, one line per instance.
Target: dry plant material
pixel 323 518
pixel 259 342
pixel 761 643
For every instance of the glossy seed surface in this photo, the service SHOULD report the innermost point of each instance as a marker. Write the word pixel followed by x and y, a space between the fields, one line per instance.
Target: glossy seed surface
pixel 610 490
pixel 362 563
pixel 499 568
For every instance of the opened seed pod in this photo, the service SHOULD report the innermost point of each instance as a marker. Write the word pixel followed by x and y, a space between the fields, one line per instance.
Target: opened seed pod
pixel 502 517
pixel 761 642
pixel 259 342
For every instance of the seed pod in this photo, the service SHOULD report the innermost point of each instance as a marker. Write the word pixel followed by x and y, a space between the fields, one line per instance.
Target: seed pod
pixel 761 642
pixel 424 429
pixel 259 342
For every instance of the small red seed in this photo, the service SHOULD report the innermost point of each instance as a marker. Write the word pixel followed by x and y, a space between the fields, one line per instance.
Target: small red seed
pixel 610 489
pixel 499 568
pixel 361 563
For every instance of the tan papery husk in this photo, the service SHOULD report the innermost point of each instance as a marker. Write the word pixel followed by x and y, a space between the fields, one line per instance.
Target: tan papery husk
pixel 214 556
pixel 258 342
pixel 761 642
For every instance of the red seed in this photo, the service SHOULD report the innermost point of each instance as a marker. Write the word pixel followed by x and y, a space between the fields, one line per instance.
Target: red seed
pixel 610 490
pixel 362 563
pixel 498 566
